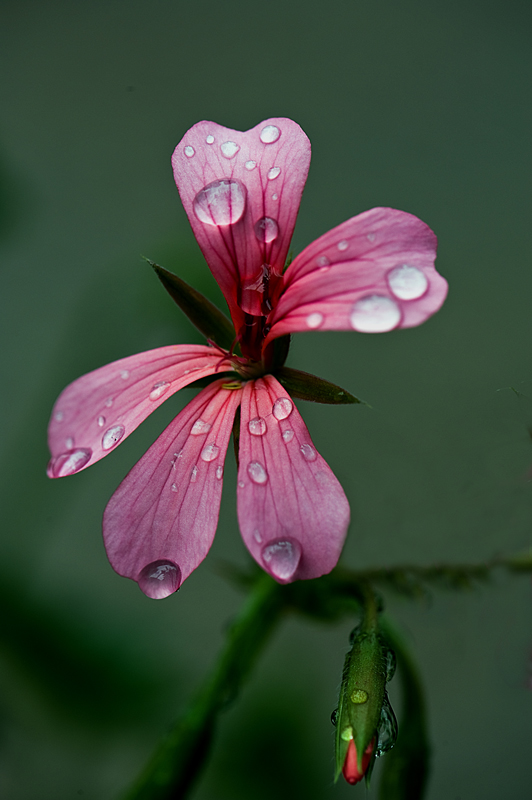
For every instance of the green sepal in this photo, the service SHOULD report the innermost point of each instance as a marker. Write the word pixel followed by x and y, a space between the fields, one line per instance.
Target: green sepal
pixel 207 318
pixel 305 386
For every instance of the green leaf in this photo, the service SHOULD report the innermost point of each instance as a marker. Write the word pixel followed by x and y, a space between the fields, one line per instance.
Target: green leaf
pixel 207 318
pixel 308 387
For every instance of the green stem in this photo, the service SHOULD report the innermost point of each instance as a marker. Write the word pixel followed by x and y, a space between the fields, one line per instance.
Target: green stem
pixel 177 762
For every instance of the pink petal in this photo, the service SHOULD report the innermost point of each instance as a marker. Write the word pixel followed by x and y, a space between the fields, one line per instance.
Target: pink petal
pixel 101 409
pixel 160 522
pixel 373 273
pixel 241 191
pixel 292 511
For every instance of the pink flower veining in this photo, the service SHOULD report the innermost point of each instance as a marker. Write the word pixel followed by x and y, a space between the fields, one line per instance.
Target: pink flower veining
pixel 372 274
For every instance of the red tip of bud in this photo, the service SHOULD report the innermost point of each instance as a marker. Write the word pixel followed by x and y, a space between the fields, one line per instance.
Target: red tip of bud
pixel 350 768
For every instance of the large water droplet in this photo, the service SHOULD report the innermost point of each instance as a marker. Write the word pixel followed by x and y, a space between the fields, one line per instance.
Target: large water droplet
pixel 159 579
pixel 257 426
pixel 229 149
pixel 101 421
pixel 288 435
pixel 314 320
pixel 270 134
pixel 220 203
pixel 250 164
pixel 281 558
pixel 386 729
pixel 257 473
pixel 375 314
pixel 189 151
pixel 210 139
pixel 407 283
pixel 308 452
pixel 266 230
pixel 112 436
pixel 282 408
pixel 273 173
pixel 343 245
pixel 159 389
pixel 69 463
pixel 199 427
pixel 209 452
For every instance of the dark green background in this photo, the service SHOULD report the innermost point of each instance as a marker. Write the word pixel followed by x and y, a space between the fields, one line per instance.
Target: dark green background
pixel 424 106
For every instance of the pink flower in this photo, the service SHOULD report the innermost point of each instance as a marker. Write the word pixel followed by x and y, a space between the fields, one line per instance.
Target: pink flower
pixel 372 274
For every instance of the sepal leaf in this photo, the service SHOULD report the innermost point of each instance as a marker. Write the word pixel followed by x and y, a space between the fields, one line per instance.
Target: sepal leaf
pixel 305 386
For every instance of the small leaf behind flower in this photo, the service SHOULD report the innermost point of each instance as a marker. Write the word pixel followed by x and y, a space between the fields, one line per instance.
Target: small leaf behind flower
pixel 305 386
pixel 207 318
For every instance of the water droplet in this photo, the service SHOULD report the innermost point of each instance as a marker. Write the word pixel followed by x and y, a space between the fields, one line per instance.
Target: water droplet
pixel 343 245
pixel 58 416
pixel 69 463
pixel 275 196
pixel 282 408
pixel 386 729
pixel 241 484
pixel 209 452
pixel 250 164
pixel 158 390
pixel 314 320
pixel 347 734
pixel 273 173
pixel 288 435
pixel 210 139
pixel 257 473
pixel 101 421
pixel 189 151
pixel 407 283
pixel 220 203
pixel 69 443
pixel 309 453
pixel 270 134
pixel 359 696
pixel 159 579
pixel 334 717
pixel 257 536
pixel 219 472
pixel 112 436
pixel 266 230
pixel 174 487
pixel 391 664
pixel 323 261
pixel 229 149
pixel 257 426
pixel 109 402
pixel 371 237
pixel 194 474
pixel 124 374
pixel 375 314
pixel 281 558
pixel 199 427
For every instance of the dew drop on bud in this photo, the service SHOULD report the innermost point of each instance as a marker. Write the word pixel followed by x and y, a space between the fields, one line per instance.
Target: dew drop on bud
pixel 281 558
pixel 159 579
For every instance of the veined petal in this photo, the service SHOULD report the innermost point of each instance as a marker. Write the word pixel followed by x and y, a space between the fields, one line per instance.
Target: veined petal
pixel 241 191
pixel 160 522
pixel 292 511
pixel 99 410
pixel 371 274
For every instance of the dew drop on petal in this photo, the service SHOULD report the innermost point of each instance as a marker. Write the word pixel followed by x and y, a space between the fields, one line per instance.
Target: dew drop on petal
pixel 241 484
pixel 288 435
pixel 219 472
pixel 159 579
pixel 199 427
pixel 308 452
pixel 281 558
pixel 270 134
pixel 210 139
pixel 158 389
pixel 101 421
pixel 250 164
pixel 343 245
pixel 124 374
pixel 266 230
pixel 229 149
pixel 109 402
pixel 371 237
pixel 257 426
pixel 257 473
pixel 69 443
pixel 194 474
pixel 323 261
pixel 189 151
pixel 209 452
pixel 275 196
pixel 375 314
pixel 282 408
pixel 174 487
pixel 257 536
pixel 112 436
pixel 314 320
pixel 69 463
pixel 58 416
pixel 407 283
pixel 273 173
pixel 220 203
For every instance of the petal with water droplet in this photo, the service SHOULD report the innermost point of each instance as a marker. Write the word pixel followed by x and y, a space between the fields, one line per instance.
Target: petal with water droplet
pixel 166 509
pixel 300 508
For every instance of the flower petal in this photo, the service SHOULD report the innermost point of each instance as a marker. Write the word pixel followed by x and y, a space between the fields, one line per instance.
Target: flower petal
pixel 101 409
pixel 292 511
pixel 372 274
pixel 160 522
pixel 241 191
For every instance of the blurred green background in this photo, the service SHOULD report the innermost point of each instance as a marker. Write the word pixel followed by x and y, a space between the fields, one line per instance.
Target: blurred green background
pixel 419 105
